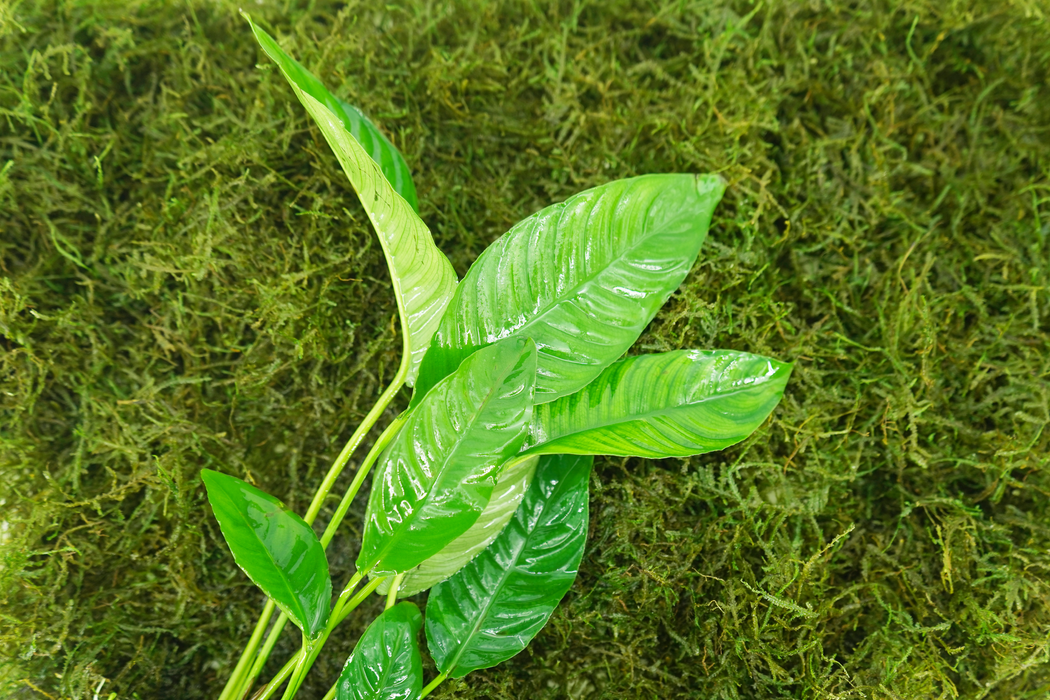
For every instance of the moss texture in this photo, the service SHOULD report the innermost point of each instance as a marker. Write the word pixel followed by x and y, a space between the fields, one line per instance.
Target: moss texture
pixel 187 281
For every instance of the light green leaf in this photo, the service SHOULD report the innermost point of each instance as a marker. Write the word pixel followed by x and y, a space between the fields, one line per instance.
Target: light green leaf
pixel 582 278
pixel 437 476
pixel 670 404
pixel 384 153
pixel 495 605
pixel 513 482
pixel 275 547
pixel 423 278
pixel 385 664
pixel 376 144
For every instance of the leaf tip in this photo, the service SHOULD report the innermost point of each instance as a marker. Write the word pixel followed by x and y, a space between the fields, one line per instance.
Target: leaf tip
pixel 410 612
pixel 211 478
pixel 710 185
pixel 781 370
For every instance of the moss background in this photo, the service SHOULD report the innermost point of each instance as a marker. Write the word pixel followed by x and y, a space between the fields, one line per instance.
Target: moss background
pixel 187 281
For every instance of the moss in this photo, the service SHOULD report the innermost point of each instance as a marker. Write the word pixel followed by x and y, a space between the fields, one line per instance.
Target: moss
pixel 187 282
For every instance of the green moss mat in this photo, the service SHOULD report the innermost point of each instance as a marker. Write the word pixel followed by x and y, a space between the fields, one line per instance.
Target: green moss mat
pixel 186 281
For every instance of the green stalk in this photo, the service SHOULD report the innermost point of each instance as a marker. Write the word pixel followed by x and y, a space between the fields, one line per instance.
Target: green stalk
pixel 355 441
pixel 278 627
pixel 232 690
pixel 264 653
pixel 301 667
pixel 433 684
pixel 242 679
pixel 340 612
pixel 391 595
pixel 359 478
pixel 343 607
pixel 270 688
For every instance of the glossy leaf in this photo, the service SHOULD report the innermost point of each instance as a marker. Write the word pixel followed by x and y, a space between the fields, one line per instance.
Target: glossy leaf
pixel 510 488
pixel 438 474
pixel 422 276
pixel 374 142
pixel 275 547
pixel 385 664
pixel 497 603
pixel 670 404
pixel 582 278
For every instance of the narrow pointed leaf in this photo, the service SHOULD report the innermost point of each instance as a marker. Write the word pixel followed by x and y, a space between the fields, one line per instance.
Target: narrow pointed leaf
pixel 670 404
pixel 377 145
pixel 275 547
pixel 582 278
pixel 422 276
pixel 496 604
pixel 437 476
pixel 510 488
pixel 385 664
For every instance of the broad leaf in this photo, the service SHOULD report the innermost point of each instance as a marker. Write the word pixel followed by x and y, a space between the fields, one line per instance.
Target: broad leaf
pixel 582 278
pixel 670 404
pixel 385 664
pixel 438 474
pixel 275 547
pixel 496 604
pixel 510 488
pixel 422 276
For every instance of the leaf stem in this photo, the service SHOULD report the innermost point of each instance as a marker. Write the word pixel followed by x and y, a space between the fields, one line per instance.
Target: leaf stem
pixel 433 684
pixel 359 478
pixel 264 653
pixel 391 595
pixel 278 627
pixel 340 613
pixel 355 441
pixel 301 667
pixel 270 688
pixel 236 685
pixel 342 608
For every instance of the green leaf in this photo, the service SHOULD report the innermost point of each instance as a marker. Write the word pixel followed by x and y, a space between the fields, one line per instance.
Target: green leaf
pixel 582 278
pixel 275 547
pixel 513 482
pixel 438 474
pixel 379 148
pixel 670 404
pixel 422 276
pixel 385 664
pixel 377 145
pixel 496 604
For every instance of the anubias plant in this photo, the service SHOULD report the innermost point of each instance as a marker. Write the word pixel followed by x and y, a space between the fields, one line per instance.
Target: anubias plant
pixel 480 486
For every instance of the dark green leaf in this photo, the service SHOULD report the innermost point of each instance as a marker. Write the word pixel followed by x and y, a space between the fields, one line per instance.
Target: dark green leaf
pixel 422 276
pixel 513 482
pixel 496 604
pixel 385 664
pixel 582 278
pixel 378 147
pixel 670 404
pixel 275 547
pixel 436 478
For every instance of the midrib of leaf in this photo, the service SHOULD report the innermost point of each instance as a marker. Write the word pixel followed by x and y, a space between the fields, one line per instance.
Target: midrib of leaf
pixel 659 413
pixel 503 578
pixel 389 667
pixel 444 463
